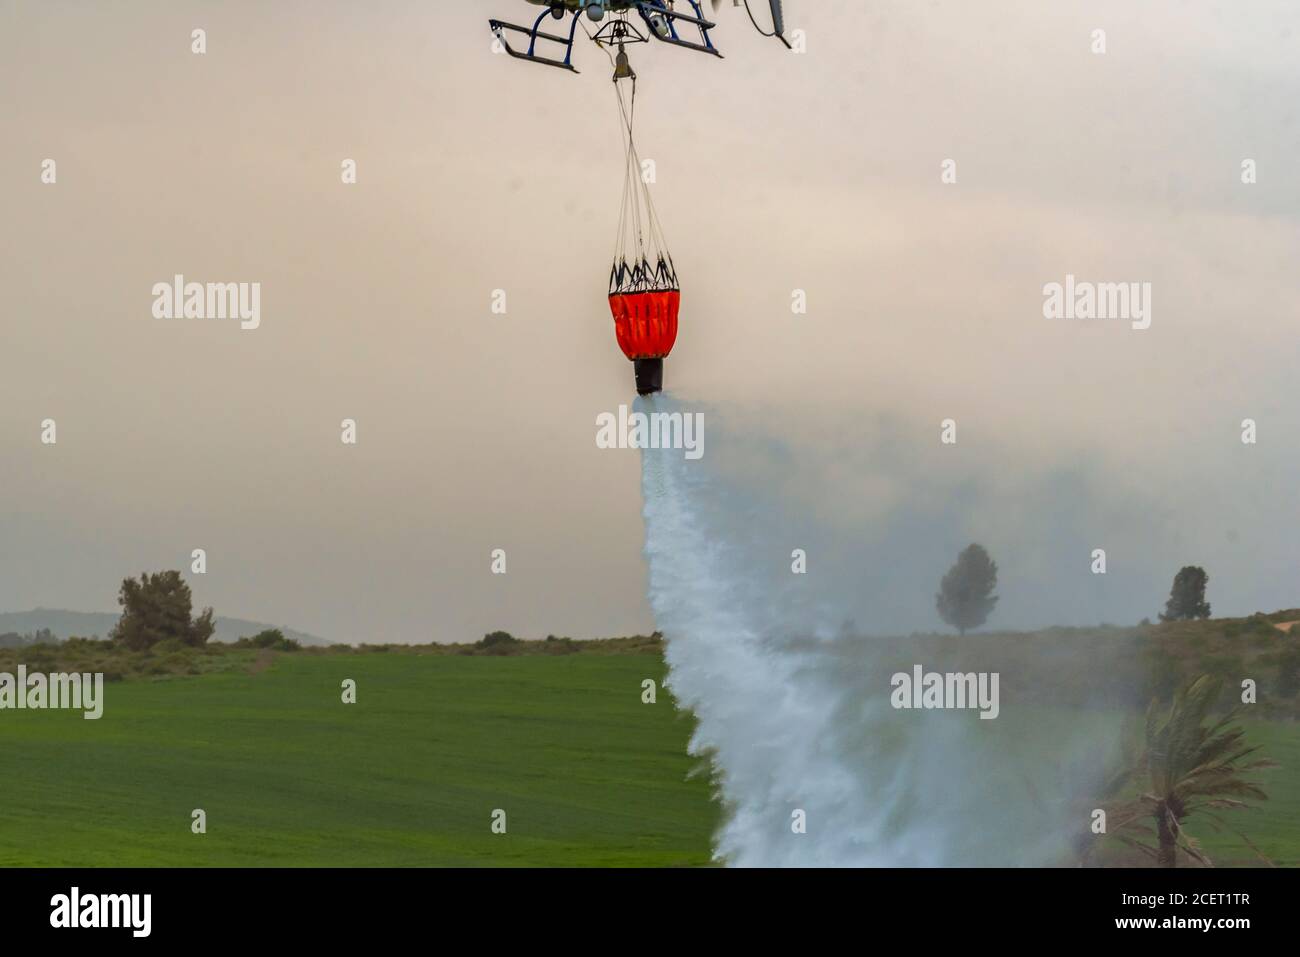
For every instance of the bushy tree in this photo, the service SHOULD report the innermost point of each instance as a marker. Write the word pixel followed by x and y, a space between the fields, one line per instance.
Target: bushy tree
pixel 965 596
pixel 1187 597
pixel 157 607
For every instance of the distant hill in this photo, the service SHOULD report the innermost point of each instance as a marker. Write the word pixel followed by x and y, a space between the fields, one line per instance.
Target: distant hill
pixel 86 624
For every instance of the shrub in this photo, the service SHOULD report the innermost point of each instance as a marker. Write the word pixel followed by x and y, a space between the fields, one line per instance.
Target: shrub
pixel 179 663
pixel 1226 666
pixel 496 639
pixel 268 638
pixel 271 638
pixel 38 658
pixel 1163 673
pixel 1288 673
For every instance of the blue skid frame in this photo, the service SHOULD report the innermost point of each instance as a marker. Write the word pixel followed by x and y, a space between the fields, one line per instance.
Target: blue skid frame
pixel 652 12
pixel 500 26
pixel 652 8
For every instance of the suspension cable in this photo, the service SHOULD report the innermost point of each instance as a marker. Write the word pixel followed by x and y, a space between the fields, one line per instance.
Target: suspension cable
pixel 638 221
pixel 755 22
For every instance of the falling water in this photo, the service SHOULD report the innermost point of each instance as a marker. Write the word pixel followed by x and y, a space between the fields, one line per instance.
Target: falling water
pixel 794 712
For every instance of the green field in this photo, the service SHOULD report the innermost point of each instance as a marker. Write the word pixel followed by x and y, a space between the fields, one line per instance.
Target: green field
pixel 409 775
pixel 1274 825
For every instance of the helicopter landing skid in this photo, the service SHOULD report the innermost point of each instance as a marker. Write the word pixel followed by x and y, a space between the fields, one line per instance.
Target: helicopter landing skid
pixel 499 28
pixel 662 21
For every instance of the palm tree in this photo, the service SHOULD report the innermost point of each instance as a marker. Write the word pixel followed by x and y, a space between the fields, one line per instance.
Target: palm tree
pixel 1190 767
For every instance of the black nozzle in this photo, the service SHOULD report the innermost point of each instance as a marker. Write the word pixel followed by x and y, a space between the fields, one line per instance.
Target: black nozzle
pixel 649 375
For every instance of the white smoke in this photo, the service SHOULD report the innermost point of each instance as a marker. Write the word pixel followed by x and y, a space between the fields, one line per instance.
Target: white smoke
pixel 793 707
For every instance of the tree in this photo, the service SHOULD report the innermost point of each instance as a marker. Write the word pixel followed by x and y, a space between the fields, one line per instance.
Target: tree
pixel 965 595
pixel 157 607
pixel 1189 767
pixel 1187 597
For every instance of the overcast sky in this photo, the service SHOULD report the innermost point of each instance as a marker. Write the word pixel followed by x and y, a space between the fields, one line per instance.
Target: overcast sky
pixel 775 171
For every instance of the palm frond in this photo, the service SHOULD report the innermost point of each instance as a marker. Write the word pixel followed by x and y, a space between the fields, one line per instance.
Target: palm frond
pixel 1192 764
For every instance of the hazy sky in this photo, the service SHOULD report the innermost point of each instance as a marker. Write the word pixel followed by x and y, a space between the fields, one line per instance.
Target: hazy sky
pixel 776 171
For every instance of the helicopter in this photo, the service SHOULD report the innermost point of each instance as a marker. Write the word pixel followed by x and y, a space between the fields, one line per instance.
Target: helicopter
pixel 661 17
pixel 644 294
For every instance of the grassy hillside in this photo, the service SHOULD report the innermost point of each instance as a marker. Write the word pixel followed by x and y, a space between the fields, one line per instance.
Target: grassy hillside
pixel 410 775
